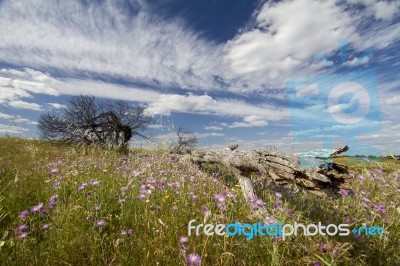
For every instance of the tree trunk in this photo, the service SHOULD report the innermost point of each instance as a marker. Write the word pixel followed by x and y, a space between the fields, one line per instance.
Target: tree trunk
pixel 278 168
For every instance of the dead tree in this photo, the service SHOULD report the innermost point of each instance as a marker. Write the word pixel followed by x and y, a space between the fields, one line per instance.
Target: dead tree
pixel 88 121
pixel 186 141
pixel 277 168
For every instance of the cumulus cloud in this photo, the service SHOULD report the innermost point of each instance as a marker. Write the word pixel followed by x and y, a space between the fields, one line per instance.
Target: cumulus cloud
pixel 286 36
pixel 250 121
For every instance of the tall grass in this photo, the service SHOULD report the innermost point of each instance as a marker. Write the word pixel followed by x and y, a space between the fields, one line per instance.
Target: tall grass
pixel 100 207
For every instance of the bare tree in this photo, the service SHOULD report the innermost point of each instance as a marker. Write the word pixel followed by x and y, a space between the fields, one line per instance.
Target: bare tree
pixel 86 120
pixel 186 141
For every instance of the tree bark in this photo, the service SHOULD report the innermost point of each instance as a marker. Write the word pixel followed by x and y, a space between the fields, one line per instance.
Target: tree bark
pixel 278 168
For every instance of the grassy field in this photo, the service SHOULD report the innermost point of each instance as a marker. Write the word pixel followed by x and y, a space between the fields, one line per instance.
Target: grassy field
pixel 64 205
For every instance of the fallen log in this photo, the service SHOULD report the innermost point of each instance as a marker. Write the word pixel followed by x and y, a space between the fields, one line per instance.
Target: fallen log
pixel 279 168
pixel 326 180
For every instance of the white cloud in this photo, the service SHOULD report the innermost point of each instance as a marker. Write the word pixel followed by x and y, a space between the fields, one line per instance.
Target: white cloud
pixel 104 38
pixel 394 101
pixel 287 36
pixel 25 105
pixel 250 121
pixel 213 128
pixel 207 135
pixel 11 129
pixel 381 10
pixel 5 116
pixel 56 105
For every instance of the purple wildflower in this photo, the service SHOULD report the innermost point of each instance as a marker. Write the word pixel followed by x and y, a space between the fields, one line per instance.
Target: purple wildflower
pixel 22 215
pixel 23 235
pixel 194 198
pixel 128 232
pixel 323 248
pixel 193 259
pixel 101 223
pixel 21 227
pixel 55 184
pixel 44 227
pixel 289 212
pixel 317 264
pixel 120 201
pixel 94 183
pixel 82 186
pixel 380 208
pixel 204 209
pixel 344 192
pixel 37 208
pixel 183 240
pixel 52 201
pixel 219 198
pixel 278 195
pixel 96 208
pixel 54 171
pixel 221 206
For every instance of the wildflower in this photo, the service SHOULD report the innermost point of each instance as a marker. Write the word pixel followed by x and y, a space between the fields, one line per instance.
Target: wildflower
pixel 22 215
pixel 194 198
pixel 317 264
pixel 278 204
pixel 37 208
pixel 289 212
pixel 43 212
pixel 94 183
pixel 361 177
pixel 323 248
pixel 101 223
pixel 54 171
pixel 44 227
pixel 183 240
pixel 55 184
pixel 219 198
pixel 120 201
pixel 344 192
pixel 23 235
pixel 89 217
pixel 193 259
pixel 278 195
pixel 96 208
pixel 380 208
pixel 204 209
pixel 221 206
pixel 174 208
pixel 52 201
pixel 21 227
pixel 82 186
pixel 128 232
pixel 182 250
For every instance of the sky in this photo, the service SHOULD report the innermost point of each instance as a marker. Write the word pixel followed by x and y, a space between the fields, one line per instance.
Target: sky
pixel 291 75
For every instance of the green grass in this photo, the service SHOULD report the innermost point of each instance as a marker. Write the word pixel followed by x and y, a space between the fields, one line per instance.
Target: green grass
pixel 160 218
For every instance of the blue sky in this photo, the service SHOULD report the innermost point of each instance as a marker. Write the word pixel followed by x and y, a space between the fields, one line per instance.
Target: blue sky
pixel 223 69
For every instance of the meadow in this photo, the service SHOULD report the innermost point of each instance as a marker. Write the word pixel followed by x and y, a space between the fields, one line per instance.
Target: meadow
pixel 70 205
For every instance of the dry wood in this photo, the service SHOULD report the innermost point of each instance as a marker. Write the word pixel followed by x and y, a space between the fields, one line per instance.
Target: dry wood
pixel 279 168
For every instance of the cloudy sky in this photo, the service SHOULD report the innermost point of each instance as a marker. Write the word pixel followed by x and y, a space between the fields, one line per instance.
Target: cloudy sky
pixel 291 74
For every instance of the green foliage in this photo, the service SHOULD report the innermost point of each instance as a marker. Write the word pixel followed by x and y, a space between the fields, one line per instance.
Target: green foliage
pixel 155 195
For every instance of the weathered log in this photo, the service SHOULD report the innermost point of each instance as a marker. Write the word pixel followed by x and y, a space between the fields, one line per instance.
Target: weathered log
pixel 278 168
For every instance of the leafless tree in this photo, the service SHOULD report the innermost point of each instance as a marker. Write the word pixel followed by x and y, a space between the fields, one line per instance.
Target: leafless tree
pixel 86 120
pixel 186 141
